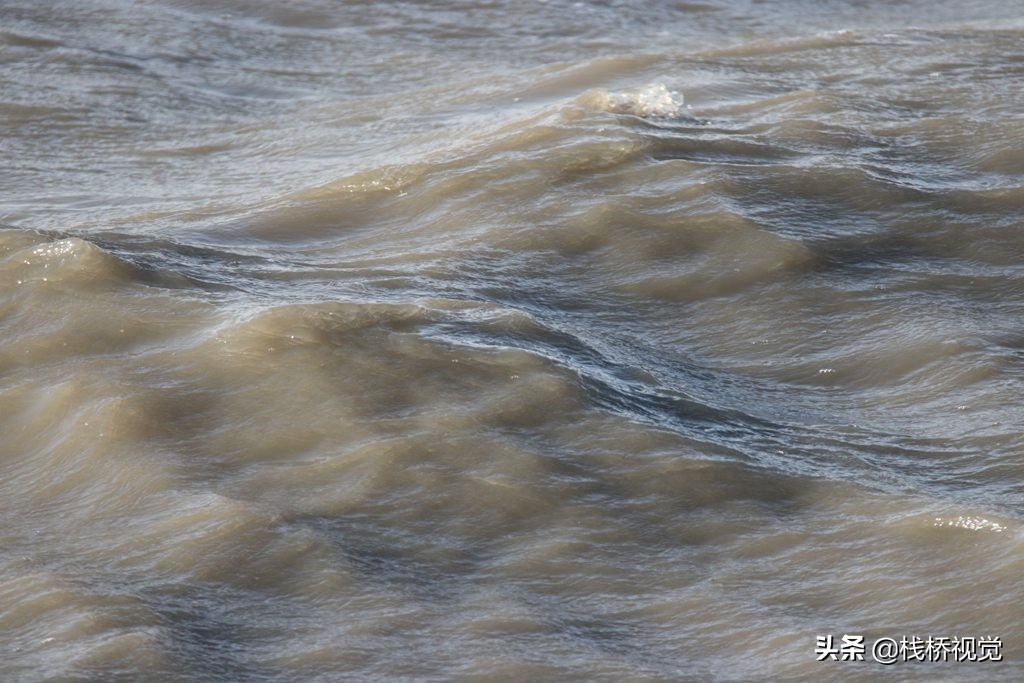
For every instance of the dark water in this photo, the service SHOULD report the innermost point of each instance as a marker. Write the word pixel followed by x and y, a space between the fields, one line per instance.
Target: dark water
pixel 509 341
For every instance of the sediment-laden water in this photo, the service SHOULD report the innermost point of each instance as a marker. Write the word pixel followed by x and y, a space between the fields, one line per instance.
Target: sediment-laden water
pixel 512 341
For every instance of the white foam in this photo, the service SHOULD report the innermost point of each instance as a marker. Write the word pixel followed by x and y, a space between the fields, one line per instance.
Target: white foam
pixel 972 523
pixel 651 101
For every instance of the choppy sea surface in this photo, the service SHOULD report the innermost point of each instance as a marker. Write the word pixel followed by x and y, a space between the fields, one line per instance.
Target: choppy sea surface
pixel 493 340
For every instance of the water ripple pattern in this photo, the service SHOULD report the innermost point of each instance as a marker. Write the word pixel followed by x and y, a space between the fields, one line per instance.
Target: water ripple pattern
pixel 549 341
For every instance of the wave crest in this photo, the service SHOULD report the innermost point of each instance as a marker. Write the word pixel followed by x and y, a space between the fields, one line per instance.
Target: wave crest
pixel 654 100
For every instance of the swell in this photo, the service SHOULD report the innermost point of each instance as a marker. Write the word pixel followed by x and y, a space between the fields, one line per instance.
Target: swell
pixel 693 215
pixel 717 408
pixel 589 377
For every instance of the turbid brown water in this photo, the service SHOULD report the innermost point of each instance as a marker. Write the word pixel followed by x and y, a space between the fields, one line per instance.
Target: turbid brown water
pixel 596 341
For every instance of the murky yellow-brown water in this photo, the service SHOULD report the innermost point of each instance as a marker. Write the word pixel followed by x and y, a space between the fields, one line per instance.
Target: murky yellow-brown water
pixel 525 341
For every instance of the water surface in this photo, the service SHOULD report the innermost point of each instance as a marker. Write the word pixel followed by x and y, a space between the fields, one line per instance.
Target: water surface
pixel 508 340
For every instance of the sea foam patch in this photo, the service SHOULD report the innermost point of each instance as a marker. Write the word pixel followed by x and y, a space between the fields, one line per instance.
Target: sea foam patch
pixel 654 100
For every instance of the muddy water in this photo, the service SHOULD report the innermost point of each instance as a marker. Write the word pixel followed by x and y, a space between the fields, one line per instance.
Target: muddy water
pixel 508 341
